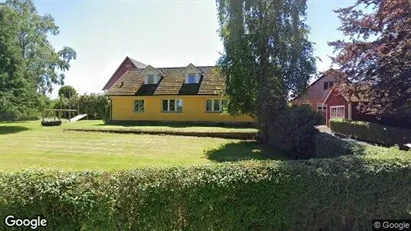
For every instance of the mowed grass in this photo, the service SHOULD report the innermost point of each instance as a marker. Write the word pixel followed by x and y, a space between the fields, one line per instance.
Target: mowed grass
pixel 28 145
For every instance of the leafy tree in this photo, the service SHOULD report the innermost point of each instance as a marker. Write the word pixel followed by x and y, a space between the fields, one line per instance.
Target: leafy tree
pixel 377 55
pixel 266 56
pixel 29 65
pixel 17 94
pixel 67 91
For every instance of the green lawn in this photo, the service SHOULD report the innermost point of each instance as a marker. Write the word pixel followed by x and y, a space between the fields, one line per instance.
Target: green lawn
pixel 25 145
pixel 29 145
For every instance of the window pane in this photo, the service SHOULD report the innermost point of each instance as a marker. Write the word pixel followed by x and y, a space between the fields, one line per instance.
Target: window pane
pixel 179 105
pixel 216 105
pixel 165 105
pixel 142 105
pixel 209 105
pixel 172 105
pixel 191 78
pixel 150 79
pixel 325 85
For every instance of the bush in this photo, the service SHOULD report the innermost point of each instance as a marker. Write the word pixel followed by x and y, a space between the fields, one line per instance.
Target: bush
pixel 51 123
pixel 293 132
pixel 94 105
pixel 323 194
pixel 371 132
pixel 107 113
pixel 327 146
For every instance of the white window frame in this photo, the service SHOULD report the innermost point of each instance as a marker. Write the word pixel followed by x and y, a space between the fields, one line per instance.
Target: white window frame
pixel 337 113
pixel 176 102
pixel 194 76
pixel 212 105
pixel 139 109
pixel 323 107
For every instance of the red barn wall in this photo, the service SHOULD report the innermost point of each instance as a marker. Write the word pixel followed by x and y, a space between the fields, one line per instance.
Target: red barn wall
pixel 315 93
pixel 336 99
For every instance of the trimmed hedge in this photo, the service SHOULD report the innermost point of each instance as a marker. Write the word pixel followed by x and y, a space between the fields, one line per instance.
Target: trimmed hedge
pixel 327 146
pixel 51 122
pixel 293 131
pixel 225 135
pixel 371 132
pixel 325 194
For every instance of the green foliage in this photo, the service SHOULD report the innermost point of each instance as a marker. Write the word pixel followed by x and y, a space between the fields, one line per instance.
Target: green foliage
pixel 371 132
pixel 294 132
pixel 29 65
pixel 327 146
pixel 266 56
pixel 336 194
pixel 107 113
pixel 67 91
pixel 94 105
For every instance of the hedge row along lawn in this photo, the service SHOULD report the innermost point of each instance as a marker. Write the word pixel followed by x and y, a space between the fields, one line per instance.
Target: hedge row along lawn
pixel 371 132
pixel 344 193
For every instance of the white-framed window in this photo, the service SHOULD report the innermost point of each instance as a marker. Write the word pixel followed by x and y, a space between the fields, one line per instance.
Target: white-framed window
pixel 172 105
pixel 150 79
pixel 191 78
pixel 216 105
pixel 321 107
pixel 337 111
pixel 139 105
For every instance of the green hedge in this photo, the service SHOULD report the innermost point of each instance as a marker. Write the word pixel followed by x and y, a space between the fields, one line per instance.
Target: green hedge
pixel 327 146
pixel 327 194
pixel 371 132
pixel 224 135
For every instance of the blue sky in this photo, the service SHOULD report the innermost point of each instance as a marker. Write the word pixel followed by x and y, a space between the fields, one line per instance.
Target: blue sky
pixel 158 32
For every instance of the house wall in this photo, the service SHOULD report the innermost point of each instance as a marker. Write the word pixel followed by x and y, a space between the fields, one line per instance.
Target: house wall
pixel 193 109
pixel 126 65
pixel 315 93
pixel 335 100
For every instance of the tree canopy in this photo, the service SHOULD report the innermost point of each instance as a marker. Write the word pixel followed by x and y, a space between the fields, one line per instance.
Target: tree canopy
pixel 29 64
pixel 266 55
pixel 67 91
pixel 376 58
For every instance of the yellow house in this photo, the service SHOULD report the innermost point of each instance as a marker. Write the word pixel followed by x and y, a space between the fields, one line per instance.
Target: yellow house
pixel 140 92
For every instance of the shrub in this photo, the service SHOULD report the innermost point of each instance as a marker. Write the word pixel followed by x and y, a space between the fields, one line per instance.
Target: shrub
pixel 293 132
pixel 324 194
pixel 107 113
pixel 327 146
pixel 51 123
pixel 371 132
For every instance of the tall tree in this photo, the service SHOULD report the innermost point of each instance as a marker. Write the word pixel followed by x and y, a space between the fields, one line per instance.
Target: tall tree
pixel 377 55
pixel 266 55
pixel 41 61
pixel 29 65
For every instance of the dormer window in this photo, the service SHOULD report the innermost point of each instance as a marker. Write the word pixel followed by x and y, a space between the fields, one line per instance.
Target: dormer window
pixel 150 79
pixel 191 78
